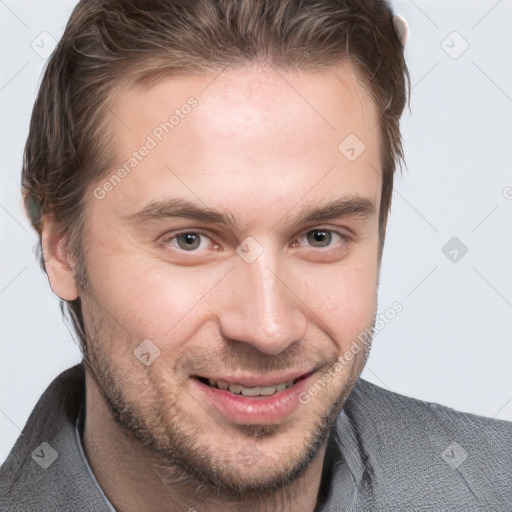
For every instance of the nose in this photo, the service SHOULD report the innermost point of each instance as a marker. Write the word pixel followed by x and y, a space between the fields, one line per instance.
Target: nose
pixel 261 308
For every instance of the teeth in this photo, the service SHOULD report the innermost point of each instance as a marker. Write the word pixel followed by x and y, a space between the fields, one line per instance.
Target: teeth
pixel 270 390
pixel 251 391
pixel 256 391
pixel 235 388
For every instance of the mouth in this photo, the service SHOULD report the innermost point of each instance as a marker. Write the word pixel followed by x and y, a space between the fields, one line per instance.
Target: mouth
pixel 251 399
pixel 237 388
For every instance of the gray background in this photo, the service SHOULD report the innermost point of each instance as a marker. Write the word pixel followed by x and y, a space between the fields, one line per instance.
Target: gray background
pixel 451 343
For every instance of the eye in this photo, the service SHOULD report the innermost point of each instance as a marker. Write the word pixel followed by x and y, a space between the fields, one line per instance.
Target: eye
pixel 189 241
pixel 197 241
pixel 322 238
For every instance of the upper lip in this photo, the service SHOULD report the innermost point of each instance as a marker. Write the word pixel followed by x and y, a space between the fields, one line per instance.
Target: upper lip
pixel 251 381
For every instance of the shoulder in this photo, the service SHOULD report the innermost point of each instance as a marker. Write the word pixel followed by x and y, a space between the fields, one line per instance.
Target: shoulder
pixel 402 411
pixel 414 453
pixel 44 470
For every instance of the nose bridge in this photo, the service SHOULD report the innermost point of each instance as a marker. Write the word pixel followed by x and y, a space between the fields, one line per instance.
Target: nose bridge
pixel 262 310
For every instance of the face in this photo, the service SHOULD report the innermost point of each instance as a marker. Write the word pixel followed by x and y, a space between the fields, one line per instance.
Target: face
pixel 232 264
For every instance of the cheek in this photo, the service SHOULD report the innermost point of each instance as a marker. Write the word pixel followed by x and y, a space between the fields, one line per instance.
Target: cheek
pixel 345 299
pixel 147 298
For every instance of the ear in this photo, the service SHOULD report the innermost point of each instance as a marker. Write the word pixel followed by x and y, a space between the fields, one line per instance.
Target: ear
pixel 57 260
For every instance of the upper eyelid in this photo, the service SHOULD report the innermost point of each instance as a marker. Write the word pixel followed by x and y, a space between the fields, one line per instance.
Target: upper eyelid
pixel 338 231
pixel 205 233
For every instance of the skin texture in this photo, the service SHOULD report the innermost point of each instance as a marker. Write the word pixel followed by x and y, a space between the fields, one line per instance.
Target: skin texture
pixel 260 145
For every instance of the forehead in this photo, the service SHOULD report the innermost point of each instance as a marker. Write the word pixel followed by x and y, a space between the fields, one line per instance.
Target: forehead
pixel 233 98
pixel 257 130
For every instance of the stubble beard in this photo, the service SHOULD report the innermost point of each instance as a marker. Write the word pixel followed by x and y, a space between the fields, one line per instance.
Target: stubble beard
pixel 179 458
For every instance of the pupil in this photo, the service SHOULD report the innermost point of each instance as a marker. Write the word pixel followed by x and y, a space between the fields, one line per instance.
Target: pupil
pixel 191 241
pixel 317 238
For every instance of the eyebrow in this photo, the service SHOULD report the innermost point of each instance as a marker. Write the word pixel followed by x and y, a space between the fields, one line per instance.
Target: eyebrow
pixel 351 206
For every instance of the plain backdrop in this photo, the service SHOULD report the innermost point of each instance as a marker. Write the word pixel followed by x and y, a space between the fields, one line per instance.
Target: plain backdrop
pixel 451 344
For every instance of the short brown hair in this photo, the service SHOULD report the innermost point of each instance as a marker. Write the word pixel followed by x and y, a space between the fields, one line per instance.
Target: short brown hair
pixel 108 42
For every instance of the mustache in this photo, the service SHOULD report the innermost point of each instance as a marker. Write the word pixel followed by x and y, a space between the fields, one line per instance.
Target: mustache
pixel 199 360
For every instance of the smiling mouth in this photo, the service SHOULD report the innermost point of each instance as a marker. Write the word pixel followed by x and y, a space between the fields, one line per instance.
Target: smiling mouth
pixel 256 391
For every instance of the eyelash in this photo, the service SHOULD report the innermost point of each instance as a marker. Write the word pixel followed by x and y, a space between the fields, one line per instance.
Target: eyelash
pixel 345 239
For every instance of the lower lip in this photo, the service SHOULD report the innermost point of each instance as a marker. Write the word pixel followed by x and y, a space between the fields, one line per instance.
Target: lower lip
pixel 253 410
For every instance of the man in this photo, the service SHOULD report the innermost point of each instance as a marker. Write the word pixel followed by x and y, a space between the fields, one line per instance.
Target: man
pixel 211 182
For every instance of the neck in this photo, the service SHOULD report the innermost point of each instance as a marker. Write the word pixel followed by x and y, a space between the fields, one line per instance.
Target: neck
pixel 134 478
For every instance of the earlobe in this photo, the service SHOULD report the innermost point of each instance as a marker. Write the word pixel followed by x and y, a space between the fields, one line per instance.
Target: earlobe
pixel 58 261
